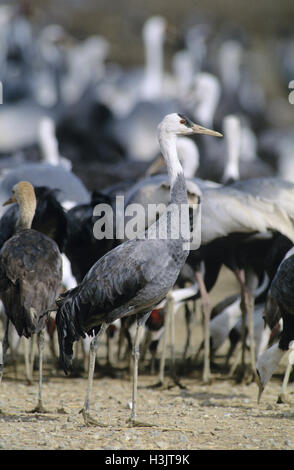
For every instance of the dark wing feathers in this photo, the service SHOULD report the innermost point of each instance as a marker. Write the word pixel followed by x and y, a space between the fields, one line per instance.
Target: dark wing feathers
pixel 110 283
pixel 113 282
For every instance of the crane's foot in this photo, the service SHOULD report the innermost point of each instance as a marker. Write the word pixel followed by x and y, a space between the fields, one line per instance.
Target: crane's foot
pixel 206 376
pixel 158 384
pixel 178 383
pixel 244 374
pixel 89 420
pixel 207 380
pixel 282 398
pixel 39 409
pixel 133 423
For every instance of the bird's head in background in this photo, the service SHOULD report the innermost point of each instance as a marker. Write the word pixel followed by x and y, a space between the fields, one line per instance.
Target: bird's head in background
pixel 181 125
pixel 22 192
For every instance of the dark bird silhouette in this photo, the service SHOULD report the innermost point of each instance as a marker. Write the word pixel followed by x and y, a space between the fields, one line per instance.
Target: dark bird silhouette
pixel 82 248
pixel 30 275
pixel 279 305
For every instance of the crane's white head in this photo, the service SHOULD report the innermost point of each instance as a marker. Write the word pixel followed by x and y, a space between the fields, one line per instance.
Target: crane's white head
pixel 172 125
pixel 154 28
pixel 179 124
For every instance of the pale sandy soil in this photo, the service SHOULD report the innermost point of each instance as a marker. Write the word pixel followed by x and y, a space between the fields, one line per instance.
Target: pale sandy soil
pixel 222 415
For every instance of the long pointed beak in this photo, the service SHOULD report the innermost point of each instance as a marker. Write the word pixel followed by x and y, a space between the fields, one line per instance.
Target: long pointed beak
pixel 203 130
pixel 11 200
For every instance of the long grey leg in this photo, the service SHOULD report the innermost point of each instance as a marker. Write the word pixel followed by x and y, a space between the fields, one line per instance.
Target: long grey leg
pixel 41 343
pixel 136 355
pixel 92 357
pixel 3 348
pixel 247 307
pixel 206 308
pixel 167 312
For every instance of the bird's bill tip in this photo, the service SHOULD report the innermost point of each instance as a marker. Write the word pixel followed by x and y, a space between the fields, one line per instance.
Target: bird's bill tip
pixel 11 200
pixel 203 130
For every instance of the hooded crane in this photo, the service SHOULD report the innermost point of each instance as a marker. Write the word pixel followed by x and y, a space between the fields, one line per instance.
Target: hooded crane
pixel 279 305
pixel 30 276
pixel 134 277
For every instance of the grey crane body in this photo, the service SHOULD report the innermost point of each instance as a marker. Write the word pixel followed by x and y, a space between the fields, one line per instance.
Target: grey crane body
pixel 136 275
pixel 130 279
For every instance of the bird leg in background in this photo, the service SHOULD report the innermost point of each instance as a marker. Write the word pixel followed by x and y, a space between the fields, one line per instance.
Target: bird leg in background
pixel 172 339
pixel 206 310
pixel 189 317
pixel 3 349
pixel 167 315
pixel 145 345
pixel 247 307
pixel 41 343
pixel 122 337
pixel 109 350
pixel 141 320
pixel 169 310
pixel 29 357
pixel 92 357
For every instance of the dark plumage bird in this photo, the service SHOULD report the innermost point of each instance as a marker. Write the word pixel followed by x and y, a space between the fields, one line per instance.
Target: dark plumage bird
pixel 279 305
pixel 134 277
pixel 30 275
pixel 82 248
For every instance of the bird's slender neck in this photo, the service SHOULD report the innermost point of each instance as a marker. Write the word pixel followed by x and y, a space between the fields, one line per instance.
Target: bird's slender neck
pixel 152 85
pixel 49 144
pixel 178 192
pixel 26 214
pixel 233 148
pixel 268 362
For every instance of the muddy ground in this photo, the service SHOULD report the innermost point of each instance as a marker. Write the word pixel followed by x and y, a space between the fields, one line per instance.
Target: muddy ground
pixel 222 415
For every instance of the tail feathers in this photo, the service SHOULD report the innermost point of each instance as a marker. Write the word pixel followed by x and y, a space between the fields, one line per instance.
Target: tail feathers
pixel 68 332
pixel 25 323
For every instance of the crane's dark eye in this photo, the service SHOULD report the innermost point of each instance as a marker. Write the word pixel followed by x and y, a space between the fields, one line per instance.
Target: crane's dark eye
pixel 183 121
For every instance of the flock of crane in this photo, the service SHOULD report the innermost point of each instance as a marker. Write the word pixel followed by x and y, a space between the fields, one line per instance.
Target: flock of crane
pixel 78 131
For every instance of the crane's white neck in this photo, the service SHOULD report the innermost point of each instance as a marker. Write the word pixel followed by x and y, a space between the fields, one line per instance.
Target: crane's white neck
pixel 229 60
pixel 207 96
pixel 232 132
pixel 48 142
pixel 168 146
pixel 286 162
pixel 152 83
